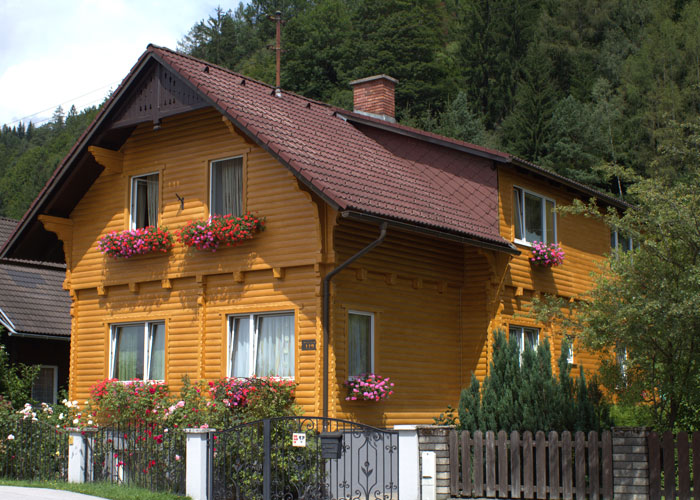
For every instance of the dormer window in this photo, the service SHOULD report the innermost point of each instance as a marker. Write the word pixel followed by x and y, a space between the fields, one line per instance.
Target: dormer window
pixel 144 201
pixel 226 191
pixel 534 217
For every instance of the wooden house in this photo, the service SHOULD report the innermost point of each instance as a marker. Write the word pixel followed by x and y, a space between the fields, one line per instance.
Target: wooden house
pixel 449 227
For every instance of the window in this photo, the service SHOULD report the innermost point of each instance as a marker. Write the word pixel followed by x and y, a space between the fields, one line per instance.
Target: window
pixel 138 351
pixel 45 386
pixel 226 179
pixel 570 354
pixel 261 345
pixel 620 241
pixel 360 343
pixel 621 358
pixel 144 201
pixel 534 217
pixel 527 337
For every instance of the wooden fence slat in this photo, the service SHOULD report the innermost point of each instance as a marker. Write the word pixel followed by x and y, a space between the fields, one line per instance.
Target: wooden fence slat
pixel 654 448
pixel 478 490
pixel 453 446
pixel 566 479
pixel 466 464
pixel 669 465
pixel 607 466
pixel 554 490
pixel 502 464
pixel 515 464
pixel 593 470
pixel 540 464
pixel 580 464
pixel 528 484
pixel 490 464
pixel 683 466
pixel 696 465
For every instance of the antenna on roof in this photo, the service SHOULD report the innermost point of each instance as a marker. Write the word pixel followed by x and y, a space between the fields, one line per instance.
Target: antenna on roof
pixel 278 49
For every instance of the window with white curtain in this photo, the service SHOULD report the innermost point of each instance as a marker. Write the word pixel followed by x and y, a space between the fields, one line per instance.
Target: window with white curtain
pixel 360 343
pixel 144 201
pixel 528 338
pixel 226 190
pixel 261 345
pixel 534 218
pixel 138 351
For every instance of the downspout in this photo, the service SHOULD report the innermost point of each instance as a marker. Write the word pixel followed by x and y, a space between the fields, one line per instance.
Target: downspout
pixel 326 309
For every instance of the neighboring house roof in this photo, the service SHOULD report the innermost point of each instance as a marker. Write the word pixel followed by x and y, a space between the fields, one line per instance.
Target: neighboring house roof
pixel 32 298
pixel 355 163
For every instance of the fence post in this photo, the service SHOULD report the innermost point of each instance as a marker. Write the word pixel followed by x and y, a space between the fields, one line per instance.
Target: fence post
pixel 409 469
pixel 435 438
pixel 630 463
pixel 197 466
pixel 79 456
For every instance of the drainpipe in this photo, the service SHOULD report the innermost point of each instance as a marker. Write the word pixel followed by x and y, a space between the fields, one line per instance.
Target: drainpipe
pixel 326 309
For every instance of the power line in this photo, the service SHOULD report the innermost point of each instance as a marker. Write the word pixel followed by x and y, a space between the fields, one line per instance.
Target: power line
pixel 25 118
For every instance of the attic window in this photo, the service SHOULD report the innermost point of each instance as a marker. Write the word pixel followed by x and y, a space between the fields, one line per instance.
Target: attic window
pixel 533 217
pixel 144 201
pixel 226 195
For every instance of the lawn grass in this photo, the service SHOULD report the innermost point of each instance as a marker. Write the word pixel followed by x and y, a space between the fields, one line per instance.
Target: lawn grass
pixel 105 490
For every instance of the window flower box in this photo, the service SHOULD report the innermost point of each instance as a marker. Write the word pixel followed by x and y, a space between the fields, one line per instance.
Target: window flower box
pixel 544 255
pixel 369 387
pixel 144 240
pixel 218 230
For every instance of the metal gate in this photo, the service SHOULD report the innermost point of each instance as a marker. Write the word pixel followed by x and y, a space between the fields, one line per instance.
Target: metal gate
pixel 309 458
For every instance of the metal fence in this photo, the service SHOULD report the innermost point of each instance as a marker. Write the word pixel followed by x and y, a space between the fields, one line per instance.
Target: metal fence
pixel 502 466
pixel 33 450
pixel 145 455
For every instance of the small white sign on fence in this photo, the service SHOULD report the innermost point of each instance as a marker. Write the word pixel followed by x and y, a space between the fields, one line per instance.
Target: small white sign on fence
pixel 299 439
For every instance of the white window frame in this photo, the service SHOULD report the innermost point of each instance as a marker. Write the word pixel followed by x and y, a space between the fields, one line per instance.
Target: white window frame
pixel 543 215
pixel 371 339
pixel 252 353
pixel 55 384
pixel 147 343
pixel 616 239
pixel 134 199
pixel 570 354
pixel 211 182
pixel 621 358
pixel 520 331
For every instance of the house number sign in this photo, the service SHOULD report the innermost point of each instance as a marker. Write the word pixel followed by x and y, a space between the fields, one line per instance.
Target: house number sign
pixel 299 439
pixel 308 345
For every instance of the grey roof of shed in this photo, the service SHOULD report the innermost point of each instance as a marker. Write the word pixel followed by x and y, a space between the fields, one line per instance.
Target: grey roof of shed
pixel 32 298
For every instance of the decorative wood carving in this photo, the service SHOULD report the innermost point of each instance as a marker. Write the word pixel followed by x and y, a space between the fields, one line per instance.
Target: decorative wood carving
pixel 112 161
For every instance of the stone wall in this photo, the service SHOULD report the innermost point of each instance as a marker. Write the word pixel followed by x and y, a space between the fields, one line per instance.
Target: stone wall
pixel 630 463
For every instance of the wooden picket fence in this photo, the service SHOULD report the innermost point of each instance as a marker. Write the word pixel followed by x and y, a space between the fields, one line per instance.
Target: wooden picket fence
pixel 499 466
pixel 673 457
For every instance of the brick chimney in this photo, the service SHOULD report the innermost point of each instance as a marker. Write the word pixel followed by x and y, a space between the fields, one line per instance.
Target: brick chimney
pixel 374 96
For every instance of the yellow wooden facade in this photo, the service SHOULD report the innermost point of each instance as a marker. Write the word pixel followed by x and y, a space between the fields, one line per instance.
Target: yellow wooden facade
pixel 436 302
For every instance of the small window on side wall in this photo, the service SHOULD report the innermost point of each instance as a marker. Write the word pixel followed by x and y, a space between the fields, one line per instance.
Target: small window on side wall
pixel 138 351
pixel 527 338
pixel 534 218
pixel 144 201
pixel 226 192
pixel 619 241
pixel 360 343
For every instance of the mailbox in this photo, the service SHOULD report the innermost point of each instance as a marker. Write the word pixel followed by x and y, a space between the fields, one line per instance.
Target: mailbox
pixel 331 445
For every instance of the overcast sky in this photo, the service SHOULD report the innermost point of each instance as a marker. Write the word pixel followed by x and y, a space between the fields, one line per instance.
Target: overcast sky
pixel 74 51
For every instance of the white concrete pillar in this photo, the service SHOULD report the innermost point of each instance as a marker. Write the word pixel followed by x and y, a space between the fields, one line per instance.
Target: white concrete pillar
pixel 79 456
pixel 409 468
pixel 196 470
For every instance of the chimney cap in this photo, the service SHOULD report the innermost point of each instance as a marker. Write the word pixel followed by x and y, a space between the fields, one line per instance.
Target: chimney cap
pixel 372 78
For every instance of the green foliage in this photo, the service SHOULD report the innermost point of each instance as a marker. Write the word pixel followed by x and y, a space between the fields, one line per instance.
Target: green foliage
pixel 447 418
pixel 522 394
pixel 16 380
pixel 111 491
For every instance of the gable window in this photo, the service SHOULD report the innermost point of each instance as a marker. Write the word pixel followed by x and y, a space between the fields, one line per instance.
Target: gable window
pixel 138 351
pixel 528 338
pixel 360 343
pixel 261 345
pixel 226 190
pixel 144 201
pixel 45 386
pixel 534 217
pixel 619 241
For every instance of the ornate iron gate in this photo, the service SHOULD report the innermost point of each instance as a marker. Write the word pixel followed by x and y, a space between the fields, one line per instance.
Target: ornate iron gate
pixel 309 458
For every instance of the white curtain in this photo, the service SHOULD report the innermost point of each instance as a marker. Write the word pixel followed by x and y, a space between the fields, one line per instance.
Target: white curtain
pixel 227 187
pixel 240 347
pixel 275 353
pixel 152 197
pixel 533 218
pixel 129 352
pixel 157 352
pixel 359 344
